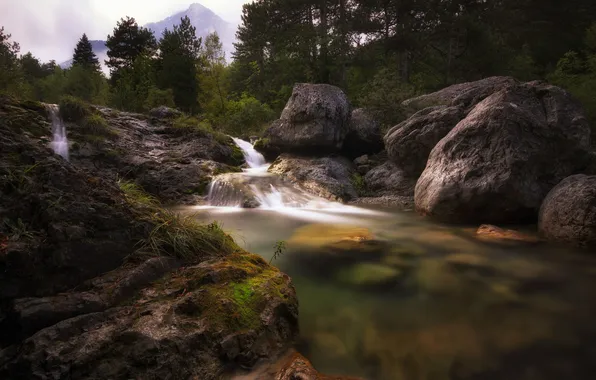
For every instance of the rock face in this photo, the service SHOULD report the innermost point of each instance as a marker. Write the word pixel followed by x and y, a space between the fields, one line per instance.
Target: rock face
pixel 388 179
pixel 327 177
pixel 465 95
pixel 173 164
pixel 410 143
pixel 364 135
pixel 568 214
pixel 315 121
pixel 498 163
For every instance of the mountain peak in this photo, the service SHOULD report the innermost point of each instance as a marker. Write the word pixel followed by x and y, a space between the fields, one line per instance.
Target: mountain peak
pixel 194 7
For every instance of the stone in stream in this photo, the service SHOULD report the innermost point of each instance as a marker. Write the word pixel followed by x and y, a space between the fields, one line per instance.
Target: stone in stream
pixel 494 234
pixel 499 163
pixel 568 214
pixel 368 275
pixel 314 121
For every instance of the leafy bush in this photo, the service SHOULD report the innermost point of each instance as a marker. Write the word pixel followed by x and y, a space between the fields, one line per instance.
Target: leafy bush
pixel 96 125
pixel 246 116
pixel 157 97
pixel 86 84
pixel 73 109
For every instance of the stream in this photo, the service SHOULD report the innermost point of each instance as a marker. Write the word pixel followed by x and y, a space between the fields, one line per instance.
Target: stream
pixel 386 294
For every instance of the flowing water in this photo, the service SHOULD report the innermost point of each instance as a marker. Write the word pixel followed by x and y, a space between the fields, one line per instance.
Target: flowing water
pixel 389 295
pixel 59 142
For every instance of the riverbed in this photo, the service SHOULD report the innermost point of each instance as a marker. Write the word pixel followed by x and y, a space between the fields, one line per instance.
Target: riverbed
pixel 447 305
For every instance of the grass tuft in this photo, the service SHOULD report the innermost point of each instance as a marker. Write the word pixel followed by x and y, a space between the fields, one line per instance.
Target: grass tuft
pixel 191 125
pixel 73 109
pixel 96 125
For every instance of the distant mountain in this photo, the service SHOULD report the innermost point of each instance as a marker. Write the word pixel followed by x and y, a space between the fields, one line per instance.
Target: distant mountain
pixel 201 17
pixel 205 20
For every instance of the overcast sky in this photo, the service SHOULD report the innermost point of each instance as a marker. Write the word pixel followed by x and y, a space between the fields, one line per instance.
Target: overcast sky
pixel 51 28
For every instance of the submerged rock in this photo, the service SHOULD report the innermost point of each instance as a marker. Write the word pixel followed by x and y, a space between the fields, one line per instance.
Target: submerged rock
pixel 364 135
pixel 498 164
pixel 568 214
pixel 494 234
pixel 368 275
pixel 315 120
pixel 326 177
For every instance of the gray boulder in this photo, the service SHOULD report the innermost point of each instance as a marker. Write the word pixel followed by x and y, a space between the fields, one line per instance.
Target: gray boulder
pixel 315 120
pixel 163 112
pixel 388 179
pixel 568 214
pixel 327 177
pixel 410 142
pixel 465 95
pixel 498 164
pixel 364 135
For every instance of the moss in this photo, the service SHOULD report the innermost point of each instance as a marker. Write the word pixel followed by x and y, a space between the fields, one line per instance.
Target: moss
pixel 237 155
pixel 96 125
pixel 359 184
pixel 27 117
pixel 73 109
pixel 191 125
pixel 262 144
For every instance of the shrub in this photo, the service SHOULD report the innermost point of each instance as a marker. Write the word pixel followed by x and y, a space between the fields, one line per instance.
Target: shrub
pixel 157 97
pixel 73 109
pixel 246 116
pixel 96 125
pixel 189 124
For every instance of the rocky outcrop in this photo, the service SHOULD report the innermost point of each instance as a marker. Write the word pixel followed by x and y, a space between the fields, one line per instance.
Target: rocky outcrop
pixel 464 95
pixel 163 112
pixel 364 135
pixel 173 163
pixel 568 214
pixel 90 289
pixel 409 144
pixel 498 164
pixel 327 177
pixel 314 121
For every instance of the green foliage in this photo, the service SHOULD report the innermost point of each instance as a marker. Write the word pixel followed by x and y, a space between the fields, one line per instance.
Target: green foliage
pixel 191 125
pixel 178 54
pixel 131 89
pixel 279 250
pixel 137 197
pixel 86 83
pixel 246 116
pixel 359 184
pixel 73 109
pixel 84 56
pixel 127 43
pixel 157 97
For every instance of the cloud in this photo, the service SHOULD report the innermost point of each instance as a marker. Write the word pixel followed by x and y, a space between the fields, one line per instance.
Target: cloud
pixel 51 28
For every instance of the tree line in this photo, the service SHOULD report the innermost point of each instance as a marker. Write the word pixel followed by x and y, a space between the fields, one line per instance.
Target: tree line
pixel 379 51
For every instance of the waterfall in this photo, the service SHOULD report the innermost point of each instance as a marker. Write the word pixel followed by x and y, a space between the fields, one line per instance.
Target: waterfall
pixel 254 160
pixel 59 142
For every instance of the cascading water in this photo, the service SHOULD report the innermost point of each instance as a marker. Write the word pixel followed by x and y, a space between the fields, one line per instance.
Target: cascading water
pixel 256 188
pixel 60 141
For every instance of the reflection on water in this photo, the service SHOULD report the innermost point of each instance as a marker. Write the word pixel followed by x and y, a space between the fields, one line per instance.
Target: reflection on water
pixel 387 295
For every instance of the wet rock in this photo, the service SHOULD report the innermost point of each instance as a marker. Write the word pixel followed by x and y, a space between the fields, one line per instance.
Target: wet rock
pixel 568 214
pixel 315 120
pixel 494 234
pixel 362 160
pixel 364 135
pixel 327 177
pixel 465 95
pixel 470 261
pixel 410 143
pixel 404 203
pixel 320 245
pixel 368 275
pixel 195 325
pixel 498 164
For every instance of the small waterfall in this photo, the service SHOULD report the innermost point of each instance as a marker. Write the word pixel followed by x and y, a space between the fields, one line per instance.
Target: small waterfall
pixel 60 141
pixel 254 160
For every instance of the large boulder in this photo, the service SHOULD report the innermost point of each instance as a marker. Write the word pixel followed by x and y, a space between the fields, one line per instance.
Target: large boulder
pixel 498 164
pixel 314 121
pixel 465 95
pixel 364 135
pixel 409 143
pixel 388 179
pixel 568 213
pixel 327 177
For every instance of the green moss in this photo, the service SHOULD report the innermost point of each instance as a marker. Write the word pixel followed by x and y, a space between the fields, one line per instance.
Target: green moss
pixel 262 144
pixel 359 184
pixel 191 125
pixel 237 155
pixel 96 125
pixel 27 117
pixel 73 109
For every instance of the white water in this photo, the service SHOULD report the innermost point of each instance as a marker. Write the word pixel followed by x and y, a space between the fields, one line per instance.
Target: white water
pixel 60 142
pixel 256 187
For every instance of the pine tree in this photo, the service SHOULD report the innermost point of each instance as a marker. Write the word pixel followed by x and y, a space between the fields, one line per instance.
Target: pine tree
pixel 128 42
pixel 177 64
pixel 84 56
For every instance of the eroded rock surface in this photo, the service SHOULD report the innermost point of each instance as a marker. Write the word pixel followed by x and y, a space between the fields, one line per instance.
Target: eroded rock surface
pixel 498 163
pixel 568 214
pixel 315 121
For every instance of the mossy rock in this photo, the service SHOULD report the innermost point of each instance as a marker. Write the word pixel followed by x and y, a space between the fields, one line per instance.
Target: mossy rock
pixel 28 117
pixel 369 275
pixel 74 109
